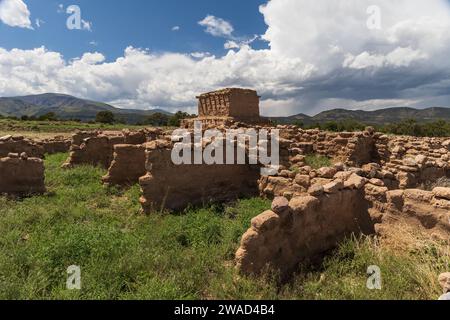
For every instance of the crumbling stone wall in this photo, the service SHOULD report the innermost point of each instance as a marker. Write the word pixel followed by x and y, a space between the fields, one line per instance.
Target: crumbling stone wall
pixel 175 187
pixel 127 166
pixel 352 148
pixel 19 144
pixel 302 229
pixel 417 160
pixel 56 145
pixel 427 210
pixel 310 224
pixel 20 175
pixel 98 147
pixel 407 162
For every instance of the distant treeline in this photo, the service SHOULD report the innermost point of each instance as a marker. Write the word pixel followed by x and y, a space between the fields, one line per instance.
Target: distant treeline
pixel 164 120
pixel 410 127
pixel 107 117
pixel 50 116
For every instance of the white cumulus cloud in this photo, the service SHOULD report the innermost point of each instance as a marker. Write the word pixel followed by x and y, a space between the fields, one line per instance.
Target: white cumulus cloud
pixel 217 27
pixel 15 13
pixel 321 55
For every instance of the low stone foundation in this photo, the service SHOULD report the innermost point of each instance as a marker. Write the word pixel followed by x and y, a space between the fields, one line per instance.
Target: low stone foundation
pixel 21 176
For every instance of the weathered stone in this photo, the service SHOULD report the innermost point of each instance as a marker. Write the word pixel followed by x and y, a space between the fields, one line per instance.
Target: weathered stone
pixel 333 186
pixel 327 172
pixel 265 221
pixel 280 205
pixel 355 182
pixel 376 182
pixel 303 180
pixel 316 190
pixel 444 281
pixel 310 231
pixel 442 193
pixel 395 197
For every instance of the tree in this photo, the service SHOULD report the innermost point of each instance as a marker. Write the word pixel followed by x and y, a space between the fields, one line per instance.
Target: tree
pixel 157 119
pixel 50 116
pixel 105 117
pixel 174 121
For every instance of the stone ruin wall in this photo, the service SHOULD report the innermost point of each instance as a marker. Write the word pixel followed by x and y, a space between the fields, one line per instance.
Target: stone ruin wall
pixel 402 162
pixel 245 105
pixel 128 165
pixel 19 144
pixel 373 187
pixel 415 161
pixel 295 177
pixel 353 148
pixel 309 225
pixel 20 175
pixel 21 164
pixel 174 187
pixel 97 148
pixel 56 145
pixel 33 148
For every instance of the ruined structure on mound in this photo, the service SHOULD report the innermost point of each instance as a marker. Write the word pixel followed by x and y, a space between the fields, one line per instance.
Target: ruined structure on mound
pixel 226 107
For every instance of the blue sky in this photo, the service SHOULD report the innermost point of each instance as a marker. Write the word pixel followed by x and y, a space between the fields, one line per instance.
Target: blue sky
pixel 139 23
pixel 302 56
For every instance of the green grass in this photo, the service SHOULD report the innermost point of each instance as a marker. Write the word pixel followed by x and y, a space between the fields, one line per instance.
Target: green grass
pixel 316 161
pixel 58 126
pixel 126 255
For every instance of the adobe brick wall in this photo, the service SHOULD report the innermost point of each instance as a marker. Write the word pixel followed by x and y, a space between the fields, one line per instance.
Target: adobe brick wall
pixel 20 175
pixel 308 225
pixel 97 148
pixel 127 166
pixel 19 144
pixel 174 187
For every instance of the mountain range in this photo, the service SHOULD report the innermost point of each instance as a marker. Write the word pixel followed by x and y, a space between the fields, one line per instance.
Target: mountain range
pixel 377 117
pixel 66 107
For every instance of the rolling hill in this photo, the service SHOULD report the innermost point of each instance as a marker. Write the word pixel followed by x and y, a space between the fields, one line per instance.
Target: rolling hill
pixel 377 117
pixel 66 107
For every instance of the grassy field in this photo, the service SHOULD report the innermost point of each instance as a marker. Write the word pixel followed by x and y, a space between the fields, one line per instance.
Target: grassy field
pixel 126 255
pixel 48 129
